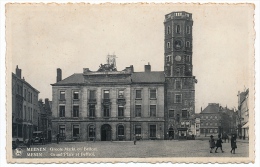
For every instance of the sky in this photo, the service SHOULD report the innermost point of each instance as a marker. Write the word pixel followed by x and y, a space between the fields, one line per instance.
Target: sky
pixel 42 38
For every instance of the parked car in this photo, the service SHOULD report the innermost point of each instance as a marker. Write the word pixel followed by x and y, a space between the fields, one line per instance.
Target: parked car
pixel 38 137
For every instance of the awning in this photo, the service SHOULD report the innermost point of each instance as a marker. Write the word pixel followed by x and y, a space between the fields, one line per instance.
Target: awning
pixel 246 125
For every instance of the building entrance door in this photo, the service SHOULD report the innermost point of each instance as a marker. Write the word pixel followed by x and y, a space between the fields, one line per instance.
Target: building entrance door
pixel 171 133
pixel 106 132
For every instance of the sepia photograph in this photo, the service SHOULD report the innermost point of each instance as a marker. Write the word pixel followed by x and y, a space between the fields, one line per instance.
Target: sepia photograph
pixel 136 82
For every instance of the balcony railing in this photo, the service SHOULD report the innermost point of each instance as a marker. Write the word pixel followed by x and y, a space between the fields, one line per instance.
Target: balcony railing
pixel 106 101
pixel 92 101
pixel 121 101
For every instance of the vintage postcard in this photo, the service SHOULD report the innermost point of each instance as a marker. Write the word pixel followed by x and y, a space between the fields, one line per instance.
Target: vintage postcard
pixel 134 82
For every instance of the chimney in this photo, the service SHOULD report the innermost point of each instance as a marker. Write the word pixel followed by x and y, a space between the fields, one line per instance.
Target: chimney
pixel 18 72
pixel 147 68
pixel 132 68
pixel 59 75
pixel 47 105
pixel 46 101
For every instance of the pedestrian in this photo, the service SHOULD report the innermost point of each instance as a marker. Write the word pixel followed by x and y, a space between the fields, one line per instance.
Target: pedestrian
pixel 58 138
pixel 233 144
pixel 134 139
pixel 219 144
pixel 211 143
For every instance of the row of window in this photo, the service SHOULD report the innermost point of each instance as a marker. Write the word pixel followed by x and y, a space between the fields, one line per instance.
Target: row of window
pixel 209 130
pixel 28 113
pixel 209 117
pixel 184 114
pixel 188 44
pixel 120 131
pixel 28 96
pixel 206 124
pixel 182 14
pixel 106 111
pixel 106 94
pixel 19 90
pixel 187 58
pixel 178 29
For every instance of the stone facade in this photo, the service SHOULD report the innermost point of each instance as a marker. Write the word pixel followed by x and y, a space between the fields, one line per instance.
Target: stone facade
pixel 179 79
pixel 104 106
pixel 243 115
pixel 210 120
pixel 25 110
pixel 45 118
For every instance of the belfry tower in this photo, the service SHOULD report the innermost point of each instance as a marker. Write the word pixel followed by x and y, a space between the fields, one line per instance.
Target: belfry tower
pixel 178 69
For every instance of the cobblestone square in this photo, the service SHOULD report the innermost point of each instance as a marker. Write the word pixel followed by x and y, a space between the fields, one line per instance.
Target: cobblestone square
pixel 127 149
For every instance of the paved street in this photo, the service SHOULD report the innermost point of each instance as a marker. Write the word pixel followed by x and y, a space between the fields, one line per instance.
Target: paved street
pixel 123 149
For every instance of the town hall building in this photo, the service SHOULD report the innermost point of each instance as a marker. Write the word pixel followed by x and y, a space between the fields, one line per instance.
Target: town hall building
pixel 108 104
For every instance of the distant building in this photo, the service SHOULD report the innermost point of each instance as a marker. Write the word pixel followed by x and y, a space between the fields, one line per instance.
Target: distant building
pixel 45 119
pixel 210 120
pixel 24 107
pixel 228 120
pixel 197 125
pixel 243 114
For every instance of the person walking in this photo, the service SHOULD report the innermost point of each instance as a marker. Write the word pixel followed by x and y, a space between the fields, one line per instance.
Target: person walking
pixel 211 143
pixel 134 139
pixel 58 138
pixel 233 144
pixel 219 144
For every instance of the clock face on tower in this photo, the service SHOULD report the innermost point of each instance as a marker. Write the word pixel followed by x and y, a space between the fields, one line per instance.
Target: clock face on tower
pixel 178 58
pixel 177 44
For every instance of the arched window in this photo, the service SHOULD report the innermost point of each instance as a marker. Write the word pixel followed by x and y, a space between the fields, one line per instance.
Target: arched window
pixel 178 29
pixel 120 132
pixel 188 44
pixel 91 132
pixel 168 30
pixel 178 71
pixel 188 29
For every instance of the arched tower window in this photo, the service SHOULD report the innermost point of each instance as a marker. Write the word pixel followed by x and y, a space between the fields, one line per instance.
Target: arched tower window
pixel 178 29
pixel 168 30
pixel 178 71
pixel 188 29
pixel 168 45
pixel 188 44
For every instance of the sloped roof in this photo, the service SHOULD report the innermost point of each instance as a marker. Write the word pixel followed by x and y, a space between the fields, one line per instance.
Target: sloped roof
pixel 211 109
pixel 116 78
pixel 148 77
pixel 73 79
pixel 136 77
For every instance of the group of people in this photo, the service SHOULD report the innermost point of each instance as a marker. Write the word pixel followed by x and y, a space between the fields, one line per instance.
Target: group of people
pixel 218 144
